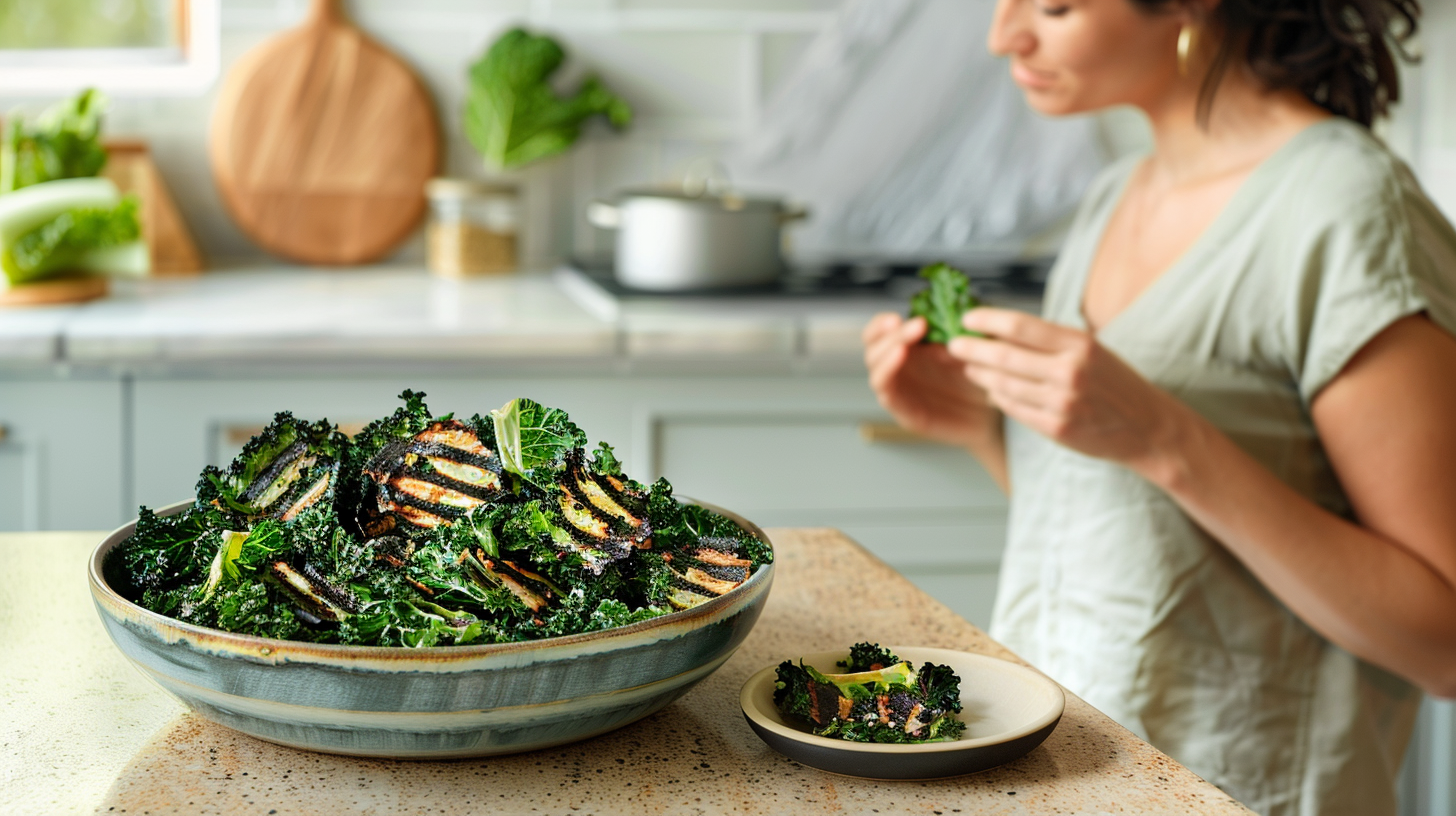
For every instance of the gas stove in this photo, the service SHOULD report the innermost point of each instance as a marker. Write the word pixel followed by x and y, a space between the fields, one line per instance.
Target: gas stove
pixel 855 287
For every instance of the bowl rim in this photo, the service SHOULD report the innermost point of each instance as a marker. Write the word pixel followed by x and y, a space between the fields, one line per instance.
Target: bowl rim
pixel 279 649
pixel 767 675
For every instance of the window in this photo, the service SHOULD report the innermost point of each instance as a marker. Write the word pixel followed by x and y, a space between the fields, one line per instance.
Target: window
pixel 119 46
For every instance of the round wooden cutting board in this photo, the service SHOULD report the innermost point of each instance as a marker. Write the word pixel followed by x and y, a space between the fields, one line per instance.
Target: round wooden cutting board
pixel 322 142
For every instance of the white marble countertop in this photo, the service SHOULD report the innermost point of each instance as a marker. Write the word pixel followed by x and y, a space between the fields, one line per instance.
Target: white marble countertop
pixel 298 314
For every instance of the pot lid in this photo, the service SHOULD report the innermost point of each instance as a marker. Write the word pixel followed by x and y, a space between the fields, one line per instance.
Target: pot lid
pixel 732 202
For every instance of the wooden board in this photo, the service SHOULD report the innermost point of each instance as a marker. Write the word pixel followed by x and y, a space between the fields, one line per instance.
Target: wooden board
pixel 322 142
pixel 169 243
pixel 54 292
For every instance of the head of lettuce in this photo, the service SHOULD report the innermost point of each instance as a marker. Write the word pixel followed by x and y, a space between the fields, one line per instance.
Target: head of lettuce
pixel 58 218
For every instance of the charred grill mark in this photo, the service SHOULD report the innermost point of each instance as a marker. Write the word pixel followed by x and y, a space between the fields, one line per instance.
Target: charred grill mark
pixel 280 485
pixel 579 516
pixel 433 493
pixel 454 434
pixel 722 544
pixel 305 594
pixel 703 581
pixel 309 498
pixel 735 574
pixel 342 598
pixel 505 574
pixel 275 469
pixel 436 476
pixel 416 516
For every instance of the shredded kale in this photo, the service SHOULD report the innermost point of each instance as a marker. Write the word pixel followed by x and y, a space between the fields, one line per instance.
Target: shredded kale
pixel 943 303
pixel 879 699
pixel 483 531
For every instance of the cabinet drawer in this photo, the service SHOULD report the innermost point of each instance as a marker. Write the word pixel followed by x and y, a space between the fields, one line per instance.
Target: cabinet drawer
pixel 804 463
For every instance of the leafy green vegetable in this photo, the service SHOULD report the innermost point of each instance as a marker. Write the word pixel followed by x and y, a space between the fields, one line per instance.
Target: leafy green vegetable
pixel 63 142
pixel 533 438
pixel 271 548
pixel 512 114
pixel 54 217
pixel 882 699
pixel 64 242
pixel 944 303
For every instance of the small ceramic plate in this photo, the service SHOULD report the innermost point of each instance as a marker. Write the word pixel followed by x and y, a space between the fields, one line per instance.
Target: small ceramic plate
pixel 1008 710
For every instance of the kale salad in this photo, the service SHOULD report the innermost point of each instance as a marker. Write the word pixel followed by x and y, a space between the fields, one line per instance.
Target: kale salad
pixel 429 531
pixel 876 697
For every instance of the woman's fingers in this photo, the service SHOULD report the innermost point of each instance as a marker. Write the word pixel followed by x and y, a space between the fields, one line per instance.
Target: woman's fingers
pixel 878 326
pixel 1004 357
pixel 886 365
pixel 1019 328
pixel 1009 390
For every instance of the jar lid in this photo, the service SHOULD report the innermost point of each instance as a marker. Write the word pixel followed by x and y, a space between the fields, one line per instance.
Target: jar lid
pixel 458 188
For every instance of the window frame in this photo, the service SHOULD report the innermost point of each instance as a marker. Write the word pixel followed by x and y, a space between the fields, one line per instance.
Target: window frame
pixel 123 71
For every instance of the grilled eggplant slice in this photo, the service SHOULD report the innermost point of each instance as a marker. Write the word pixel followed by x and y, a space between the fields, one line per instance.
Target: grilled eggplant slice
pixel 438 475
pixel 602 516
pixel 289 467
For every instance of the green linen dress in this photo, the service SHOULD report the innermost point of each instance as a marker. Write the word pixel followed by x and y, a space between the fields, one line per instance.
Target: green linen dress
pixel 1116 593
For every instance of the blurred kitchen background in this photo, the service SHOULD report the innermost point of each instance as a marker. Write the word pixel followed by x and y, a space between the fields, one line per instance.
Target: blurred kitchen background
pixel 885 119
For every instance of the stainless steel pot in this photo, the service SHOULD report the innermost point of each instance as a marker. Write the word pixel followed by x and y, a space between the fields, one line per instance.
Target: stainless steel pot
pixel 669 241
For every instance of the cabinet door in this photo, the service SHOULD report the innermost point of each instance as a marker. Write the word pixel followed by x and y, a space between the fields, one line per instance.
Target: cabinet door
pixel 61 455
pixel 928 510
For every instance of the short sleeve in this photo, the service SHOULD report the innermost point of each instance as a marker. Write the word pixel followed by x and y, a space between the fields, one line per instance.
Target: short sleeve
pixel 1361 274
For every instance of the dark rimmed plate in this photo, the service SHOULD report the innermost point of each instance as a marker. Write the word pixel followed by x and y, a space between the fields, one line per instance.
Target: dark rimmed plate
pixel 1008 710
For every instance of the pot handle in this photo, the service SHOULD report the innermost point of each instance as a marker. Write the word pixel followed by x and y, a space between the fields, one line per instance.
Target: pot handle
pixel 793 213
pixel 604 214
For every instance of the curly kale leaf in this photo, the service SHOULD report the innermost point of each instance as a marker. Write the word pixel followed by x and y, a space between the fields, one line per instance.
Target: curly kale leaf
pixel 865 657
pixel 604 461
pixel 291 461
pixel 163 554
pixel 944 303
pixel 406 421
pixel 677 526
pixel 940 687
pixel 513 116
pixel 791 691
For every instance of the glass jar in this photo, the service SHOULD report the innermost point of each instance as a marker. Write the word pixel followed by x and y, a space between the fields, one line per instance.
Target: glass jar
pixel 472 227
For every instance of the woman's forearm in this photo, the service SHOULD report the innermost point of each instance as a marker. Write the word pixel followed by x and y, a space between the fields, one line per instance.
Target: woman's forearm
pixel 1364 592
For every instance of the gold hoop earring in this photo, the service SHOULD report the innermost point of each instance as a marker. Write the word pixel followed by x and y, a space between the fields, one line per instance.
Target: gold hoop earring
pixel 1187 39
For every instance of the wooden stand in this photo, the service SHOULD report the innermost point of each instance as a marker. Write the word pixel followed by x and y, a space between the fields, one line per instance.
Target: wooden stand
pixel 129 164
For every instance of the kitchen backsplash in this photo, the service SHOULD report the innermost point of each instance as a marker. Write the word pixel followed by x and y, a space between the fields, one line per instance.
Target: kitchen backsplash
pixel 697 73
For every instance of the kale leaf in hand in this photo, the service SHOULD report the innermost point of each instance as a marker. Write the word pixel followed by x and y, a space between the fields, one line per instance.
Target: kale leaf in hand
pixel 944 303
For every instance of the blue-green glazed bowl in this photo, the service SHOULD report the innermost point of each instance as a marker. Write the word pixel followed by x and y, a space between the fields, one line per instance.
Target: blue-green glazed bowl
pixel 436 702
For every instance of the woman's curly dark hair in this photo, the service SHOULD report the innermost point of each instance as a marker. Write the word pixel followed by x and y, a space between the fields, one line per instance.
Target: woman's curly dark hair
pixel 1341 54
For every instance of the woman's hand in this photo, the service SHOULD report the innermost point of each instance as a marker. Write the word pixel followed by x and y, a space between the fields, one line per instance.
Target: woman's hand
pixel 1062 383
pixel 924 388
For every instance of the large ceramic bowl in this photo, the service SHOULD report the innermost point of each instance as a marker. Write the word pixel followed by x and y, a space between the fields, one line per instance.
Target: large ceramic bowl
pixel 430 703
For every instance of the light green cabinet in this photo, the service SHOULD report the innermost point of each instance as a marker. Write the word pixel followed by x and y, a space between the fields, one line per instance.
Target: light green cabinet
pixel 61 454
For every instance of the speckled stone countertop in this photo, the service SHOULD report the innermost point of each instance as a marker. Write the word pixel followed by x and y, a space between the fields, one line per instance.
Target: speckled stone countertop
pixel 83 732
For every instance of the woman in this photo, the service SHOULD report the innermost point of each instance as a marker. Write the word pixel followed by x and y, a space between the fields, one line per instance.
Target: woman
pixel 1229 443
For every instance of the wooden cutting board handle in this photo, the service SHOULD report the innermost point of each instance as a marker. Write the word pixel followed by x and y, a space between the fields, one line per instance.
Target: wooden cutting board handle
pixel 322 142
